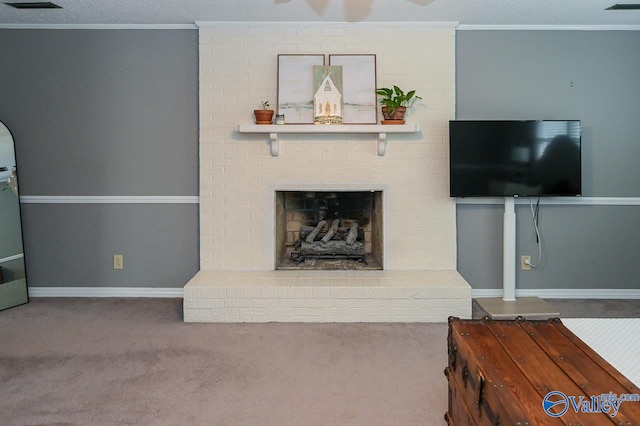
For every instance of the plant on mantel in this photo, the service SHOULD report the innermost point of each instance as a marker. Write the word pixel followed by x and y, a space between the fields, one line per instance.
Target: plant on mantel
pixel 395 103
pixel 264 115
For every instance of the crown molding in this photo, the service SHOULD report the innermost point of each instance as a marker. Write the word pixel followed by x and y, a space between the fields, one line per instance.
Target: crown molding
pixel 463 27
pixel 217 24
pixel 99 26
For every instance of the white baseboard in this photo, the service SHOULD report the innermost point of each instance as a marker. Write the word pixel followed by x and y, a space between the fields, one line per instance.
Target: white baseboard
pixel 475 293
pixel 563 293
pixel 105 292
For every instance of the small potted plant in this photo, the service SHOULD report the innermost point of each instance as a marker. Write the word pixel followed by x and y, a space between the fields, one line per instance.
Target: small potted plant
pixel 395 103
pixel 264 115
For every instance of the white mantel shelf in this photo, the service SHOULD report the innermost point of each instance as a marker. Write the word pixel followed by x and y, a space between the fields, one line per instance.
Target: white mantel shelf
pixel 380 129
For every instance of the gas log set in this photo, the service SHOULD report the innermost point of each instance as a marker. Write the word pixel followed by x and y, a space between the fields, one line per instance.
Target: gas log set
pixel 330 242
pixel 328 230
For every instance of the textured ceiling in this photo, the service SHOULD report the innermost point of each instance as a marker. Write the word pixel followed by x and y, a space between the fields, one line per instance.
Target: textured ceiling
pixel 467 12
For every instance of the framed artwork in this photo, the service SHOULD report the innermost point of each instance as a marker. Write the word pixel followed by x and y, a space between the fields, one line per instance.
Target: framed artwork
pixel 295 86
pixel 327 94
pixel 359 82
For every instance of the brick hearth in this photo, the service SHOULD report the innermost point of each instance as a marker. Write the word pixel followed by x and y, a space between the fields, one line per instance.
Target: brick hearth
pixel 326 296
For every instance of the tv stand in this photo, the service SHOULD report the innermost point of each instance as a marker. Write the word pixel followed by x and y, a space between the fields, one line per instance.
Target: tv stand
pixel 508 306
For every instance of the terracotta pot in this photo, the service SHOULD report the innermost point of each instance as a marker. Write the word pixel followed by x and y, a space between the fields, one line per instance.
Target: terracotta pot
pixel 397 116
pixel 263 116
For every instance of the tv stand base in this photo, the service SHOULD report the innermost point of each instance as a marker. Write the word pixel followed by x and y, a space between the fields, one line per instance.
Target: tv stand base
pixel 527 307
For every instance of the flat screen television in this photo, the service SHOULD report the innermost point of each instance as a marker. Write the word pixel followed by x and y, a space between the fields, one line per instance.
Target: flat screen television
pixel 500 158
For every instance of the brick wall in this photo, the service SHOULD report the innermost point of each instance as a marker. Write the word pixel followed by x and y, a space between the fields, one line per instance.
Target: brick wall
pixel 238 177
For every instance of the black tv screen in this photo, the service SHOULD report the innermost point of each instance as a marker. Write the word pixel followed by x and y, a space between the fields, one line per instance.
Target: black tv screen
pixel 515 158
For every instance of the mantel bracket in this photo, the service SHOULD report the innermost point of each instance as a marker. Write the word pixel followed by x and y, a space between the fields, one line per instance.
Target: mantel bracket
pixel 274 144
pixel 382 144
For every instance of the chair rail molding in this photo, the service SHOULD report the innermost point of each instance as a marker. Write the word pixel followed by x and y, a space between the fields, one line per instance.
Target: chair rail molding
pixel 109 199
pixel 568 201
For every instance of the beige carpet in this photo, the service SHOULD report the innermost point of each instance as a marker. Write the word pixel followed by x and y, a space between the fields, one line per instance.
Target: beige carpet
pixel 134 362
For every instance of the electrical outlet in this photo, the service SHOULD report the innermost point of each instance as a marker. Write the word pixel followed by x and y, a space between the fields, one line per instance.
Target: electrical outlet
pixel 525 263
pixel 118 261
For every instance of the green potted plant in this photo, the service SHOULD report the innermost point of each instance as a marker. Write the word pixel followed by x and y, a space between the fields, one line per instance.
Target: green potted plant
pixel 395 103
pixel 264 115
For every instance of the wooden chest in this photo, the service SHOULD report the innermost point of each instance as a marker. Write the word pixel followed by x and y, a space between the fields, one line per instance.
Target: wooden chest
pixel 520 372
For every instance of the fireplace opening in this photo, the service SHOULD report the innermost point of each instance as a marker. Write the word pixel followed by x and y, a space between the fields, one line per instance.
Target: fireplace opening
pixel 329 230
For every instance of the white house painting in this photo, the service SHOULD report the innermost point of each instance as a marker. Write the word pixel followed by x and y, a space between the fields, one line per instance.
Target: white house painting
pixel 327 98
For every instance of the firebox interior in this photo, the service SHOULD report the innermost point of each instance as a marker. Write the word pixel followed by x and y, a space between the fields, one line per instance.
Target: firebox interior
pixel 329 230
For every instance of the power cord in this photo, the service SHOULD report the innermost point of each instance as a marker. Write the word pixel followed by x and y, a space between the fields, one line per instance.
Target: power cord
pixel 535 215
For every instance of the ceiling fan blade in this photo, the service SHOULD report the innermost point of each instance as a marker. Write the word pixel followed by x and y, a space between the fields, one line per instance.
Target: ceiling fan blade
pixel 422 2
pixel 357 10
pixel 318 6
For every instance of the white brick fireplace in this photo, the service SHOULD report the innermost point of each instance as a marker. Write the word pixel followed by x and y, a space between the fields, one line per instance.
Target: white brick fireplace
pixel 239 179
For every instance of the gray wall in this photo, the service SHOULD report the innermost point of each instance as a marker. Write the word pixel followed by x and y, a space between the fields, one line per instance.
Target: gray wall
pixel 105 113
pixel 586 75
pixel 115 112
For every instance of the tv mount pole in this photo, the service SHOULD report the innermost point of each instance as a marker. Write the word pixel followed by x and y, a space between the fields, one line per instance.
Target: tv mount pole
pixel 508 307
pixel 509 250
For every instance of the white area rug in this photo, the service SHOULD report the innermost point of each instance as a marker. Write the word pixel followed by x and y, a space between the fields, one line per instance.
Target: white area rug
pixel 617 340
